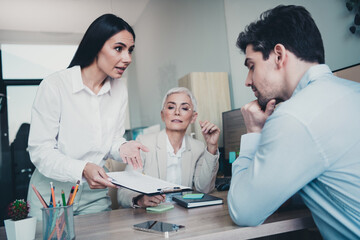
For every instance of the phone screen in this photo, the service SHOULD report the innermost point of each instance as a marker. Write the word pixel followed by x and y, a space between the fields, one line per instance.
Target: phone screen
pixel 157 226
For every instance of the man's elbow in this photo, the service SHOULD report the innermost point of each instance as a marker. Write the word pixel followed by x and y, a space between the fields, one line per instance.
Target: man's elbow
pixel 245 215
pixel 245 220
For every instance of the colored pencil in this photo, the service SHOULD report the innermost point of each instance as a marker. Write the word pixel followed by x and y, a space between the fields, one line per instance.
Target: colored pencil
pixel 63 197
pixel 70 195
pixel 75 191
pixel 39 196
pixel 52 194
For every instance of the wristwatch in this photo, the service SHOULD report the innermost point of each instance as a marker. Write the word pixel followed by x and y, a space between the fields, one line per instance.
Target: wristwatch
pixel 135 201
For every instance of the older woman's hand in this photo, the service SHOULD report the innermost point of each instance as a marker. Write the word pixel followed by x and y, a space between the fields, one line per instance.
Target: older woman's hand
pixel 151 201
pixel 211 134
pixel 130 153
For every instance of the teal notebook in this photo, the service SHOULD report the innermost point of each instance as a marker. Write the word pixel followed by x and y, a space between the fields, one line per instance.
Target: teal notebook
pixel 193 196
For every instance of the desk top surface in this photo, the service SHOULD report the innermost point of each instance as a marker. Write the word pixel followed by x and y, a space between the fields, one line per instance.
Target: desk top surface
pixel 211 222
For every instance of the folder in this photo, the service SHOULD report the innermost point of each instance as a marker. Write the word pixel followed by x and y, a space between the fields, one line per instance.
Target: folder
pixel 144 184
pixel 206 200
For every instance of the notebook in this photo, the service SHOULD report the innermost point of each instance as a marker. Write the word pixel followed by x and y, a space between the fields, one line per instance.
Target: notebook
pixel 160 208
pixel 206 200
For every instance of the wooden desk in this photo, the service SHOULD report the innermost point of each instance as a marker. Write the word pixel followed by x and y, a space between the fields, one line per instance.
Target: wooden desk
pixel 211 222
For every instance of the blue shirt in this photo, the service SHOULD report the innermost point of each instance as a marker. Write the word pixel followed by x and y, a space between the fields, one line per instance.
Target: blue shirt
pixel 310 145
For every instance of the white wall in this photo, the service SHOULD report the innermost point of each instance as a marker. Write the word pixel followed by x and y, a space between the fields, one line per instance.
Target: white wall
pixel 66 16
pixel 331 16
pixel 58 22
pixel 174 38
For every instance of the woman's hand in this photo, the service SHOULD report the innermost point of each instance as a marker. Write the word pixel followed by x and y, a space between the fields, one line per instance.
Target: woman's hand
pixel 211 134
pixel 150 201
pixel 96 176
pixel 130 153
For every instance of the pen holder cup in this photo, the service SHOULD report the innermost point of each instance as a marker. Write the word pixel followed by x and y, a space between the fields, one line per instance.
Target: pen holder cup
pixel 58 223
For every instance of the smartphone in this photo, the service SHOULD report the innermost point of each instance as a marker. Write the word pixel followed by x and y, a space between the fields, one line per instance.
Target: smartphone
pixel 158 227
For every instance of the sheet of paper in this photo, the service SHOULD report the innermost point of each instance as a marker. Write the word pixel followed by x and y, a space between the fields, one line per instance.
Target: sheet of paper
pixel 144 184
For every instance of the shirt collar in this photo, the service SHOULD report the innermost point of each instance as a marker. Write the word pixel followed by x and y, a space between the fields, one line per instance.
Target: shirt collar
pixel 310 76
pixel 78 84
pixel 170 149
pixel 106 87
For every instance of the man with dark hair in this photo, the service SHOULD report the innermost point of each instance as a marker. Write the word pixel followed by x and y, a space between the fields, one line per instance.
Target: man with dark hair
pixel 310 143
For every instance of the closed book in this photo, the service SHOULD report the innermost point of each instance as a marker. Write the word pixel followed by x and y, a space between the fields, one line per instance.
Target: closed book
pixel 207 200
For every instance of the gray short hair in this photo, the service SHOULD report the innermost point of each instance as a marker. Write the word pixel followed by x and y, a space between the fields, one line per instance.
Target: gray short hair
pixel 180 90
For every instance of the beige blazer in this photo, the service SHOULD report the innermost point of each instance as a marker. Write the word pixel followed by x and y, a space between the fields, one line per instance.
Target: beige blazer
pixel 198 166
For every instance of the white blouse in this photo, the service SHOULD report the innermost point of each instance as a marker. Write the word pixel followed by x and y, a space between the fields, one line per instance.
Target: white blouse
pixel 70 125
pixel 173 174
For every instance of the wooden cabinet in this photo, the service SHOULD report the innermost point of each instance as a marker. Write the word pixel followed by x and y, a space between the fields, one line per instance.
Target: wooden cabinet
pixel 211 90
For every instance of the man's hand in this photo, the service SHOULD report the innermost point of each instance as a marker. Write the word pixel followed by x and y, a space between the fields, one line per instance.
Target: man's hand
pixel 96 176
pixel 211 134
pixel 130 153
pixel 150 201
pixel 254 117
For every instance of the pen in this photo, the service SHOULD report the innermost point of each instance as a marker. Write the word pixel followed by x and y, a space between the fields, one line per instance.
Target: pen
pixel 52 194
pixel 75 191
pixel 70 195
pixel 39 196
pixel 63 197
pixel 169 189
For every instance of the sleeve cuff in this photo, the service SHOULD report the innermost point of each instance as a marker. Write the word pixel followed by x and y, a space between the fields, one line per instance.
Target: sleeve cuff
pixel 77 170
pixel 115 150
pixel 214 155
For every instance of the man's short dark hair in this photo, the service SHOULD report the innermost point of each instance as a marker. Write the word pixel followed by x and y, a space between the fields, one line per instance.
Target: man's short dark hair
pixel 291 26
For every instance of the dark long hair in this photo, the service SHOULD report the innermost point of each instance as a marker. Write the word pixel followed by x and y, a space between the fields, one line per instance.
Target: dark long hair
pixel 103 28
pixel 291 26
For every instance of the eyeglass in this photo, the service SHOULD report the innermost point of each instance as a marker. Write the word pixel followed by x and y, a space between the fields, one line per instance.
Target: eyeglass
pixel 183 108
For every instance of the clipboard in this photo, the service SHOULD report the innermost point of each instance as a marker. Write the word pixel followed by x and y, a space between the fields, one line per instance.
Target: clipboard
pixel 144 184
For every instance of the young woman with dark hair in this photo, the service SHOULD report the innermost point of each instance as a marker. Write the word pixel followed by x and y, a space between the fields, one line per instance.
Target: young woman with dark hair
pixel 78 119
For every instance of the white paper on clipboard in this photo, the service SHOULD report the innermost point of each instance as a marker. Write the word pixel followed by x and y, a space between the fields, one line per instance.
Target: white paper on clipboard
pixel 145 184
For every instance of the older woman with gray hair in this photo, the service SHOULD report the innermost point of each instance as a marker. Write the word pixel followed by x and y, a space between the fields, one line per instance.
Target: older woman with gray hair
pixel 174 156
